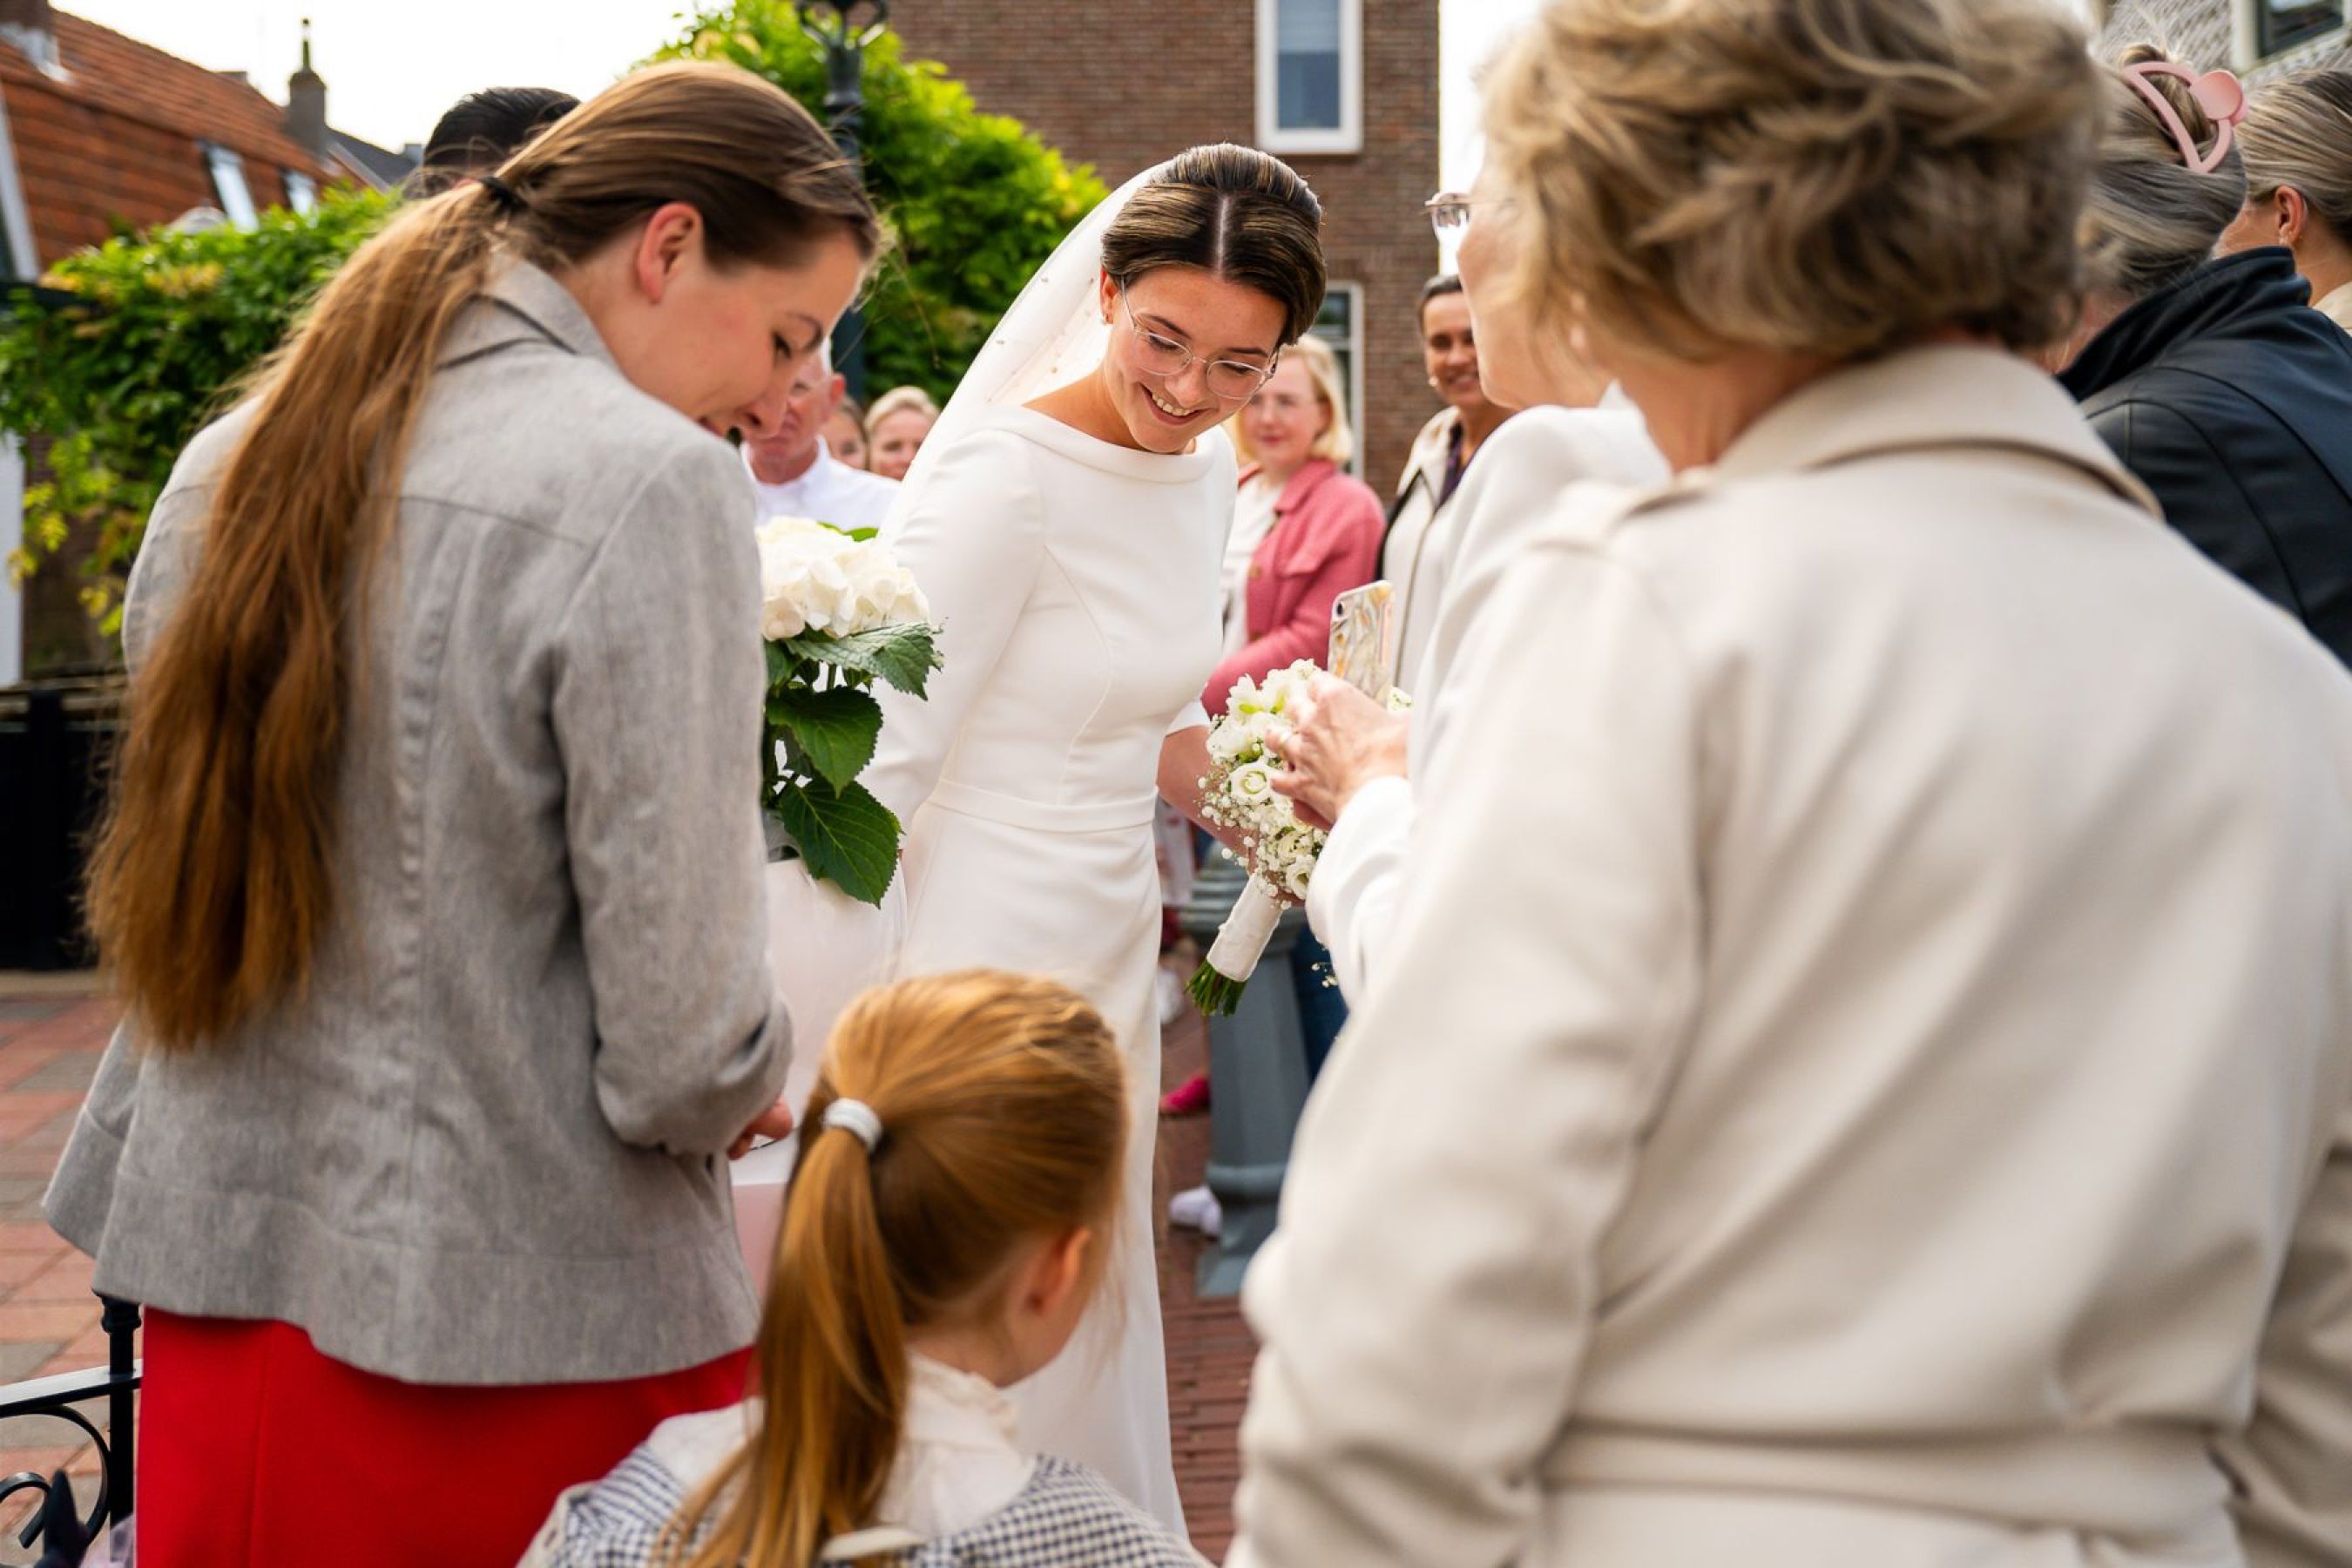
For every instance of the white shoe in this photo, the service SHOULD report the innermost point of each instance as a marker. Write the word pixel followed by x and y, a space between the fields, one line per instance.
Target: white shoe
pixel 1198 1209
pixel 1173 1000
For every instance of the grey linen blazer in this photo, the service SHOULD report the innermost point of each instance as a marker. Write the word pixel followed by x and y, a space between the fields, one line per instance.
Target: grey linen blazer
pixel 488 1146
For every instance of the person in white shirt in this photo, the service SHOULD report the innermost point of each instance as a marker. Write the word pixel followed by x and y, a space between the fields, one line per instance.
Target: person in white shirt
pixel 1440 459
pixel 1576 428
pixel 795 474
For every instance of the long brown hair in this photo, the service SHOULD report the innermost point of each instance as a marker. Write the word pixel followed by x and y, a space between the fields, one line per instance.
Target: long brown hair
pixel 211 881
pixel 1003 1108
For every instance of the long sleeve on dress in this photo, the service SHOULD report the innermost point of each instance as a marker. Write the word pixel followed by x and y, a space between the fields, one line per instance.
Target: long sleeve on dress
pixel 975 540
pixel 658 681
pixel 2293 1505
pixel 1427 1303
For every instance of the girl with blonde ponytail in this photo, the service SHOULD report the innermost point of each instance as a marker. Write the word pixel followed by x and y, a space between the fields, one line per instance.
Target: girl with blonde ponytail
pixel 431 875
pixel 945 1231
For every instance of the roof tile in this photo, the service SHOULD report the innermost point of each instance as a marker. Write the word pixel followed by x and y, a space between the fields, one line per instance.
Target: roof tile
pixel 118 142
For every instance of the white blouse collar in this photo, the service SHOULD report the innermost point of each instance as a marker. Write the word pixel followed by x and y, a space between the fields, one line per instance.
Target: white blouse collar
pixel 960 1456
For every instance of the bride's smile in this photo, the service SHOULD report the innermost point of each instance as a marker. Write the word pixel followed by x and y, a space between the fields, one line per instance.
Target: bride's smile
pixel 1187 349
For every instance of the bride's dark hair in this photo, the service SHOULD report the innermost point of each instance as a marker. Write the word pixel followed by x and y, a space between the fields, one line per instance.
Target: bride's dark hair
pixel 1233 212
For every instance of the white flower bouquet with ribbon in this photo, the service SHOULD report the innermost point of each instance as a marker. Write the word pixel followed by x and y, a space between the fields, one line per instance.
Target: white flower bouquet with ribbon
pixel 839 613
pixel 1278 848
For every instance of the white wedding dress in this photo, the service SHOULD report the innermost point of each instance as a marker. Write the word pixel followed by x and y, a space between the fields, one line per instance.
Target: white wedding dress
pixel 1077 584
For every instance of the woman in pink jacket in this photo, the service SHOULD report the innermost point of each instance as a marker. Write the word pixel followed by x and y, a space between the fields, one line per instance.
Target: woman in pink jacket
pixel 1304 532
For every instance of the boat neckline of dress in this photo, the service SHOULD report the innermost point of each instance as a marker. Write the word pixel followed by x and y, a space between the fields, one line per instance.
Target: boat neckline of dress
pixel 1160 468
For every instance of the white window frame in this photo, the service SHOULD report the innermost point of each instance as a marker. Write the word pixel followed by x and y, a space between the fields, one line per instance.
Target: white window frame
pixel 1349 136
pixel 229 184
pixel 302 191
pixel 1355 293
pixel 2246 37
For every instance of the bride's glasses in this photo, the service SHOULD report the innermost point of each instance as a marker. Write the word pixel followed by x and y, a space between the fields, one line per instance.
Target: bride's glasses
pixel 1230 379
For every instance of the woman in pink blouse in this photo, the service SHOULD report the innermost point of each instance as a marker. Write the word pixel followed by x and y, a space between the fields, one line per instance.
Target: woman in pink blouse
pixel 1304 532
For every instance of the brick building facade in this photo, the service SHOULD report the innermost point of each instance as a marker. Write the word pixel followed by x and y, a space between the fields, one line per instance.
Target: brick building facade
pixel 2256 38
pixel 1124 87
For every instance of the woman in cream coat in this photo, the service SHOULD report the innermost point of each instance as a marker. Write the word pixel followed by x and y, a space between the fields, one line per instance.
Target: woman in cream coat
pixel 1865 1076
pixel 1573 428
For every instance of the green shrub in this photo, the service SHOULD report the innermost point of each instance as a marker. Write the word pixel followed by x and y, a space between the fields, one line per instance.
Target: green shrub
pixel 157 332
pixel 976 202
pixel 163 325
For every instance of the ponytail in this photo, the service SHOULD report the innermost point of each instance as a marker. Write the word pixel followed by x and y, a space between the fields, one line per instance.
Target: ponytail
pixel 1002 1103
pixel 836 1343
pixel 210 885
pixel 211 881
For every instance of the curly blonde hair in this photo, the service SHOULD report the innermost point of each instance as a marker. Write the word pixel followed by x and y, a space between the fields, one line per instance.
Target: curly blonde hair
pixel 1810 176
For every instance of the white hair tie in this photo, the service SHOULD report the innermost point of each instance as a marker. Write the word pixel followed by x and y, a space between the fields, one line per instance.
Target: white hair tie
pixel 856 1117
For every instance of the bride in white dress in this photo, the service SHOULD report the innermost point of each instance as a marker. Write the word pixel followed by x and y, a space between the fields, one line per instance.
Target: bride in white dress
pixel 1066 520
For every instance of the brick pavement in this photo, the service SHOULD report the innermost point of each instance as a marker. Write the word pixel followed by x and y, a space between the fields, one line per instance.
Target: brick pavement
pixel 51 1033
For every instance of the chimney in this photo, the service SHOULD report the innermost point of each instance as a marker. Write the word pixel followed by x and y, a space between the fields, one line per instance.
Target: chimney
pixel 306 97
pixel 28 24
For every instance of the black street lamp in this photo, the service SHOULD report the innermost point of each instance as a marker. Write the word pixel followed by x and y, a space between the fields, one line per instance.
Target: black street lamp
pixel 843 31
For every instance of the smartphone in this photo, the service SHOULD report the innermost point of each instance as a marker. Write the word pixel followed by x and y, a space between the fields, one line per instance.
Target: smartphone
pixel 1363 639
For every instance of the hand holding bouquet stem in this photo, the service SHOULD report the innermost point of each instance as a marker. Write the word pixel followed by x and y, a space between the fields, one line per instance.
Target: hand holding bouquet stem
pixel 1239 793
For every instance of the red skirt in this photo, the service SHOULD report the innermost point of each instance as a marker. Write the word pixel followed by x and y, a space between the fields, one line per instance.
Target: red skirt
pixel 257 1451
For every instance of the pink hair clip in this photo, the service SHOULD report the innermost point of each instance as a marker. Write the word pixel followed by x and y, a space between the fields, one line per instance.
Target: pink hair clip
pixel 2220 94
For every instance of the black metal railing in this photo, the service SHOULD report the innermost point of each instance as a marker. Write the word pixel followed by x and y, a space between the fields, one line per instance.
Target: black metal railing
pixel 58 1398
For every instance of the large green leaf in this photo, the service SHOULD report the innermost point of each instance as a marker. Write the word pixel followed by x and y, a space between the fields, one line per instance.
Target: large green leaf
pixel 835 729
pixel 850 839
pixel 903 656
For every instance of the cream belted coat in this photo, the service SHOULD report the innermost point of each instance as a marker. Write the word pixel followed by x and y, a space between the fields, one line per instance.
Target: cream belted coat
pixel 1862 1079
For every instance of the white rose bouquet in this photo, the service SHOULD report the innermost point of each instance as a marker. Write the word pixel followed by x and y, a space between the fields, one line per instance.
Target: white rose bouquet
pixel 839 613
pixel 1278 848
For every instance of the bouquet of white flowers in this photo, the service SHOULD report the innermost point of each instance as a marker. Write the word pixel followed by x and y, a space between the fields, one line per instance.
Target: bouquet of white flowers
pixel 1278 848
pixel 838 611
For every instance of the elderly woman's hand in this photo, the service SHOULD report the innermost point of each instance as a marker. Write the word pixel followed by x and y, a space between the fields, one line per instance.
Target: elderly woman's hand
pixel 1336 741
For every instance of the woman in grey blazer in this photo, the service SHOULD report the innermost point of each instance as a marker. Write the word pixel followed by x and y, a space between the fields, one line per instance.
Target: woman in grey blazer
pixel 432 878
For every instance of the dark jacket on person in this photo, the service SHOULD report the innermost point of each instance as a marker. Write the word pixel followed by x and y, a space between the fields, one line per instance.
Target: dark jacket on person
pixel 2231 399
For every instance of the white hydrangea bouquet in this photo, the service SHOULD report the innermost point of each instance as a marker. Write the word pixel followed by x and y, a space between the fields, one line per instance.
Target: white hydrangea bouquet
pixel 1279 849
pixel 839 613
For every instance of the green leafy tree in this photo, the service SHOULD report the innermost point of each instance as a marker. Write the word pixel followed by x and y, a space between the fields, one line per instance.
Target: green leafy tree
pixel 143 339
pixel 976 202
pixel 156 331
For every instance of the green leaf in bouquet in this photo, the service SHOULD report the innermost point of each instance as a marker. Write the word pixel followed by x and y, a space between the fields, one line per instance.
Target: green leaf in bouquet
pixel 788 669
pixel 904 655
pixel 850 839
pixel 834 730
